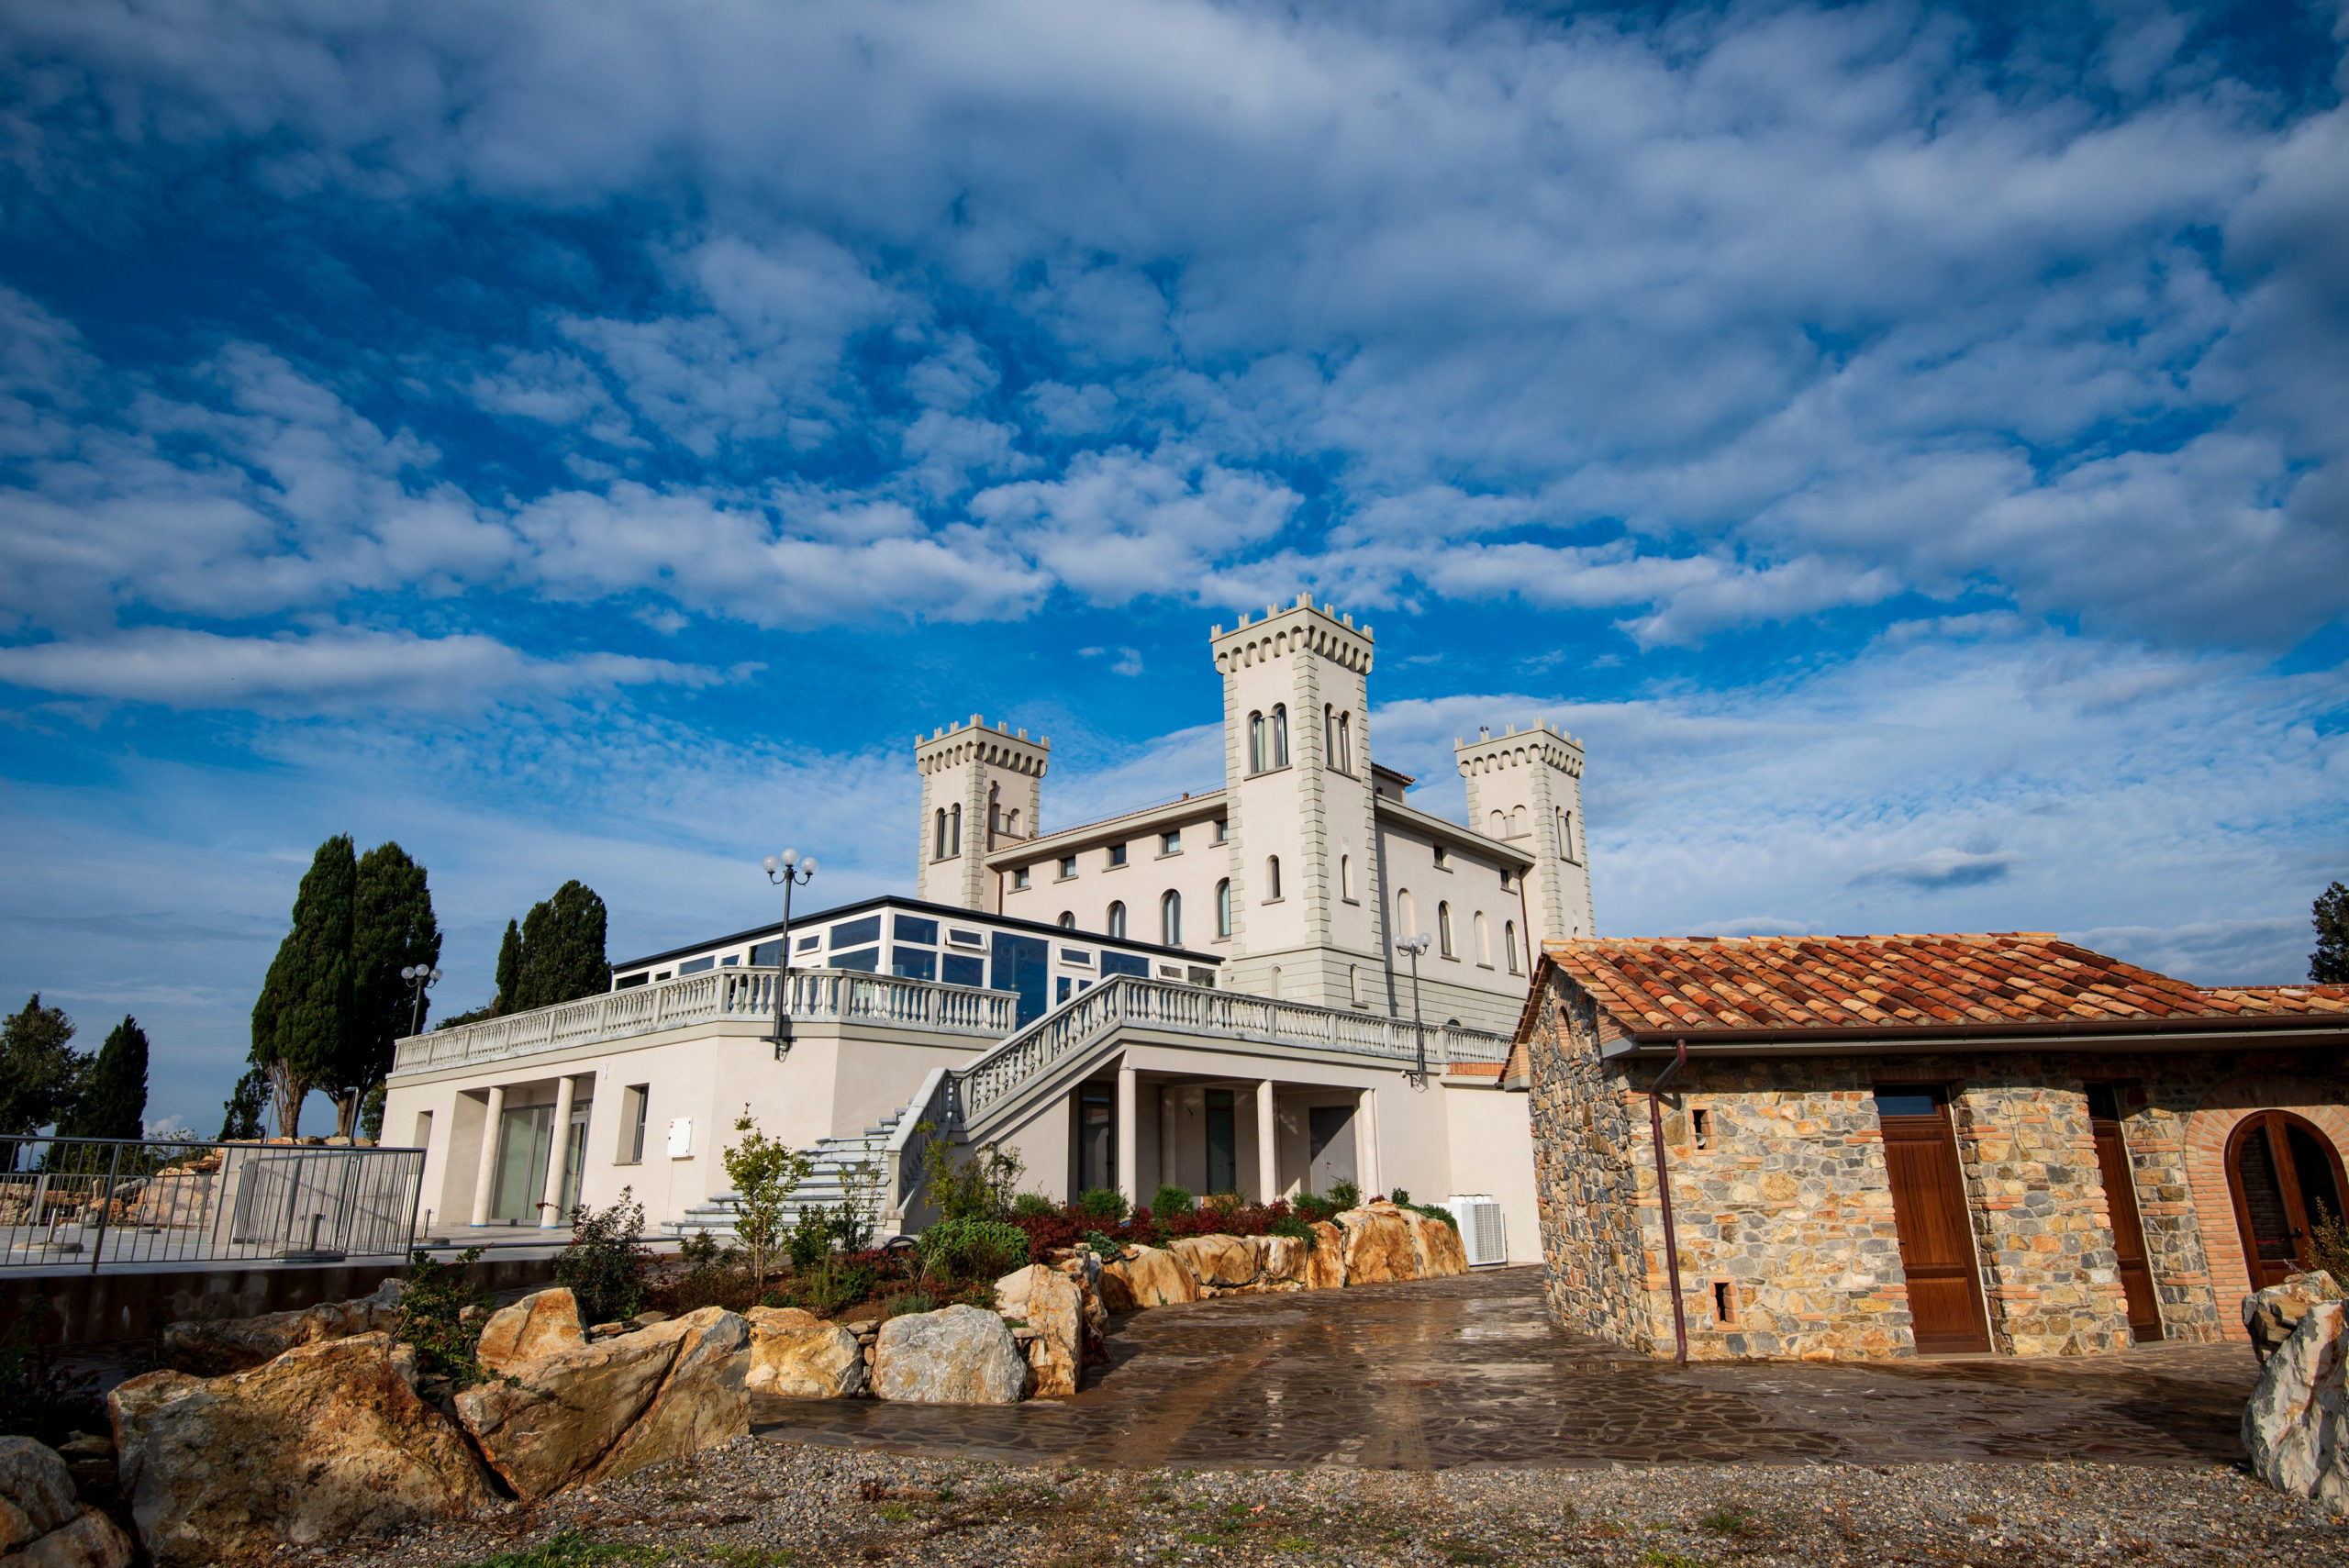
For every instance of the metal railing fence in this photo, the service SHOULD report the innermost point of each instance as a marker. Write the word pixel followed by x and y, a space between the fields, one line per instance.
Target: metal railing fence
pixel 111 1203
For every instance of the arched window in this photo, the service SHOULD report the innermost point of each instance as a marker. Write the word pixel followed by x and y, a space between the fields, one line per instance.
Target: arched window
pixel 1516 822
pixel 1011 823
pixel 1223 907
pixel 1353 983
pixel 1329 734
pixel 1407 919
pixel 1169 919
pixel 1565 833
pixel 1484 941
pixel 1345 743
pixel 1272 878
pixel 954 830
pixel 1508 940
pixel 1256 743
pixel 1443 929
pixel 1116 922
pixel 1276 982
pixel 1068 919
pixel 1496 826
pixel 1280 735
pixel 994 813
pixel 1346 877
pixel 937 841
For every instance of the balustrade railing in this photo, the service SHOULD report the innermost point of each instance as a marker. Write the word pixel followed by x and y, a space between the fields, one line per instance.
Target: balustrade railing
pixel 733 992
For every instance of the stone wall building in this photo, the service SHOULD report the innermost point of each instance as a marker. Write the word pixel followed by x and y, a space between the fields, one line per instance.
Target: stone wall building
pixel 1884 1146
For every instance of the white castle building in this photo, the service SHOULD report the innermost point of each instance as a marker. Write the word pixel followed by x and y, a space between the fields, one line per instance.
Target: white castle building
pixel 1209 992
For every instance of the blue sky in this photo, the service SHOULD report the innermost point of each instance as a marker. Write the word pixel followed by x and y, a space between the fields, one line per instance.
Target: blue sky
pixel 1910 444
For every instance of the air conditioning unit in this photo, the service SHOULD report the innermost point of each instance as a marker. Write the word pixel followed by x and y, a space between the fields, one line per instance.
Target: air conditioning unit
pixel 1482 1234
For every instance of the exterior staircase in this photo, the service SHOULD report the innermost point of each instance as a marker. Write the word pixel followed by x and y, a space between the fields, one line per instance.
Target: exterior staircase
pixel 828 1183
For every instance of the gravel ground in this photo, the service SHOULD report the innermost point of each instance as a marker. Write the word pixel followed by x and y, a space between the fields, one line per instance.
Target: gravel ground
pixel 765 1505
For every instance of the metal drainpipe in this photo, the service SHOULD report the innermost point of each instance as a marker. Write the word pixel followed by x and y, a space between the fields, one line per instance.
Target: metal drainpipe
pixel 1663 1190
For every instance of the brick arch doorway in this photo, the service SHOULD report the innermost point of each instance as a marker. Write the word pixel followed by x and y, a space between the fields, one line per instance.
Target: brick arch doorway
pixel 2284 1174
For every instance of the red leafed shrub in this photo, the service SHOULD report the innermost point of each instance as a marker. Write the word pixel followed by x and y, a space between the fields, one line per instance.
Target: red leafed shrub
pixel 1070 1227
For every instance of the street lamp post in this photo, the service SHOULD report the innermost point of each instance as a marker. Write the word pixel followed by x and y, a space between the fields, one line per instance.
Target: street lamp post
pixel 420 977
pixel 787 870
pixel 1414 947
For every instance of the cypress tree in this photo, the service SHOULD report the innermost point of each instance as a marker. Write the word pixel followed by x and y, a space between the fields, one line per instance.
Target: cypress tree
pixel 114 1104
pixel 563 948
pixel 302 1021
pixel 392 929
pixel 2329 965
pixel 41 1076
pixel 509 970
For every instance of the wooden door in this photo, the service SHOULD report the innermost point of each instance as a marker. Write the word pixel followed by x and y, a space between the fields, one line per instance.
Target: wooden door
pixel 2285 1174
pixel 1930 1212
pixel 2120 1202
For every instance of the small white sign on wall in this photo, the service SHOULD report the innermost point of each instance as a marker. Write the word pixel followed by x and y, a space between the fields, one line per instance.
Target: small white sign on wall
pixel 681 1139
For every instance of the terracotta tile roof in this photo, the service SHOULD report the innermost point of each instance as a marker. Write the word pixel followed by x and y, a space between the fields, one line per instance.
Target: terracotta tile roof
pixel 1904 982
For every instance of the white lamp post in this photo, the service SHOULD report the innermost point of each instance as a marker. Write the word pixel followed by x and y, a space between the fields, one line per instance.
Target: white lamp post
pixel 1414 947
pixel 788 870
pixel 420 977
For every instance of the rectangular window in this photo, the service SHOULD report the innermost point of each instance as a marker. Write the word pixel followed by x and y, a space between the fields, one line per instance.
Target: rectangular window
pixel 1068 866
pixel 913 964
pixel 961 969
pixel 1123 963
pixel 633 1100
pixel 1077 956
pixel 808 944
pixel 1442 856
pixel 1700 1122
pixel 1116 854
pixel 914 928
pixel 730 960
pixel 696 965
pixel 957 937
pixel 865 959
pixel 624 981
pixel 1060 992
pixel 2104 1101
pixel 1920 1099
pixel 767 955
pixel 1222 831
pixel 1170 843
pixel 1019 877
pixel 662 975
pixel 856 933
pixel 1200 976
pixel 1724 1304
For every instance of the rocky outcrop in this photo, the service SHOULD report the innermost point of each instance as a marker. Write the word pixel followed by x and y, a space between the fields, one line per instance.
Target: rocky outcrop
pixel 798 1355
pixel 1325 1266
pixel 532 1328
pixel 1436 1249
pixel 603 1410
pixel 1053 1304
pixel 960 1355
pixel 1147 1276
pixel 2272 1314
pixel 1378 1246
pixel 1085 1269
pixel 2296 1427
pixel 43 1521
pixel 211 1349
pixel 1280 1262
pixel 327 1442
pixel 1218 1262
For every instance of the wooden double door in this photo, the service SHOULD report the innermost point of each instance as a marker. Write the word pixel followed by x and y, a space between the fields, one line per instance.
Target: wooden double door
pixel 2285 1175
pixel 2120 1202
pixel 1929 1211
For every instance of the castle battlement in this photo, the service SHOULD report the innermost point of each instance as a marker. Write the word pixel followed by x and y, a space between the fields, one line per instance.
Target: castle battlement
pixel 954 745
pixel 1298 627
pixel 1491 753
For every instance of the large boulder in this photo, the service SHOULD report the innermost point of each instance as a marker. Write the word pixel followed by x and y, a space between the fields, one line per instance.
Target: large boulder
pixel 959 1355
pixel 326 1443
pixel 1378 1246
pixel 2272 1314
pixel 43 1521
pixel 1052 1302
pixel 1085 1268
pixel 532 1328
pixel 2296 1427
pixel 1148 1277
pixel 608 1410
pixel 210 1349
pixel 1325 1266
pixel 799 1356
pixel 1436 1248
pixel 1218 1262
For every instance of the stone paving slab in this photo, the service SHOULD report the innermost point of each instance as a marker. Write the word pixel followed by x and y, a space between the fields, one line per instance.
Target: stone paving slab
pixel 1444 1375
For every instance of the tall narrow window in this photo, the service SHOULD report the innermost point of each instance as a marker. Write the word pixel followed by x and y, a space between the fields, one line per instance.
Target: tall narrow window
pixel 1565 833
pixel 1117 923
pixel 1484 941
pixel 1443 929
pixel 1346 877
pixel 1223 907
pixel 1272 878
pixel 1329 734
pixel 1498 827
pixel 1345 743
pixel 938 851
pixel 1353 983
pixel 1407 919
pixel 1256 743
pixel 994 813
pixel 954 831
pixel 1170 919
pixel 1508 940
pixel 1011 822
pixel 1280 735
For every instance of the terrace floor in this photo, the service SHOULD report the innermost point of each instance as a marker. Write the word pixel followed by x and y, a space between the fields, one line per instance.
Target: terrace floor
pixel 1448 1373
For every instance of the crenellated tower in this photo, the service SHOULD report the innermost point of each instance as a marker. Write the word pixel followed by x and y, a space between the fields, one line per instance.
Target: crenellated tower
pixel 1525 789
pixel 980 788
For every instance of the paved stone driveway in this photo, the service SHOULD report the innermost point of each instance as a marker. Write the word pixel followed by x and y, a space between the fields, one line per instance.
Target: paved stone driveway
pixel 1443 1374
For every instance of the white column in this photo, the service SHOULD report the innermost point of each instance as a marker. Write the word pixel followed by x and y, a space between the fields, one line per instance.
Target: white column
pixel 1170 1113
pixel 551 1212
pixel 1268 1145
pixel 488 1156
pixel 1366 1143
pixel 1128 1162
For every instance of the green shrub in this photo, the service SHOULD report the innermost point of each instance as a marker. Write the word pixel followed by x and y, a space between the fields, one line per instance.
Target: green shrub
pixel 432 1310
pixel 1296 1226
pixel 972 1250
pixel 1346 1195
pixel 713 1276
pixel 1108 1252
pixel 605 1265
pixel 828 1289
pixel 1312 1209
pixel 1033 1206
pixel 1103 1203
pixel 1170 1199
pixel 2329 1244
pixel 976 1188
pixel 912 1302
pixel 810 1242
